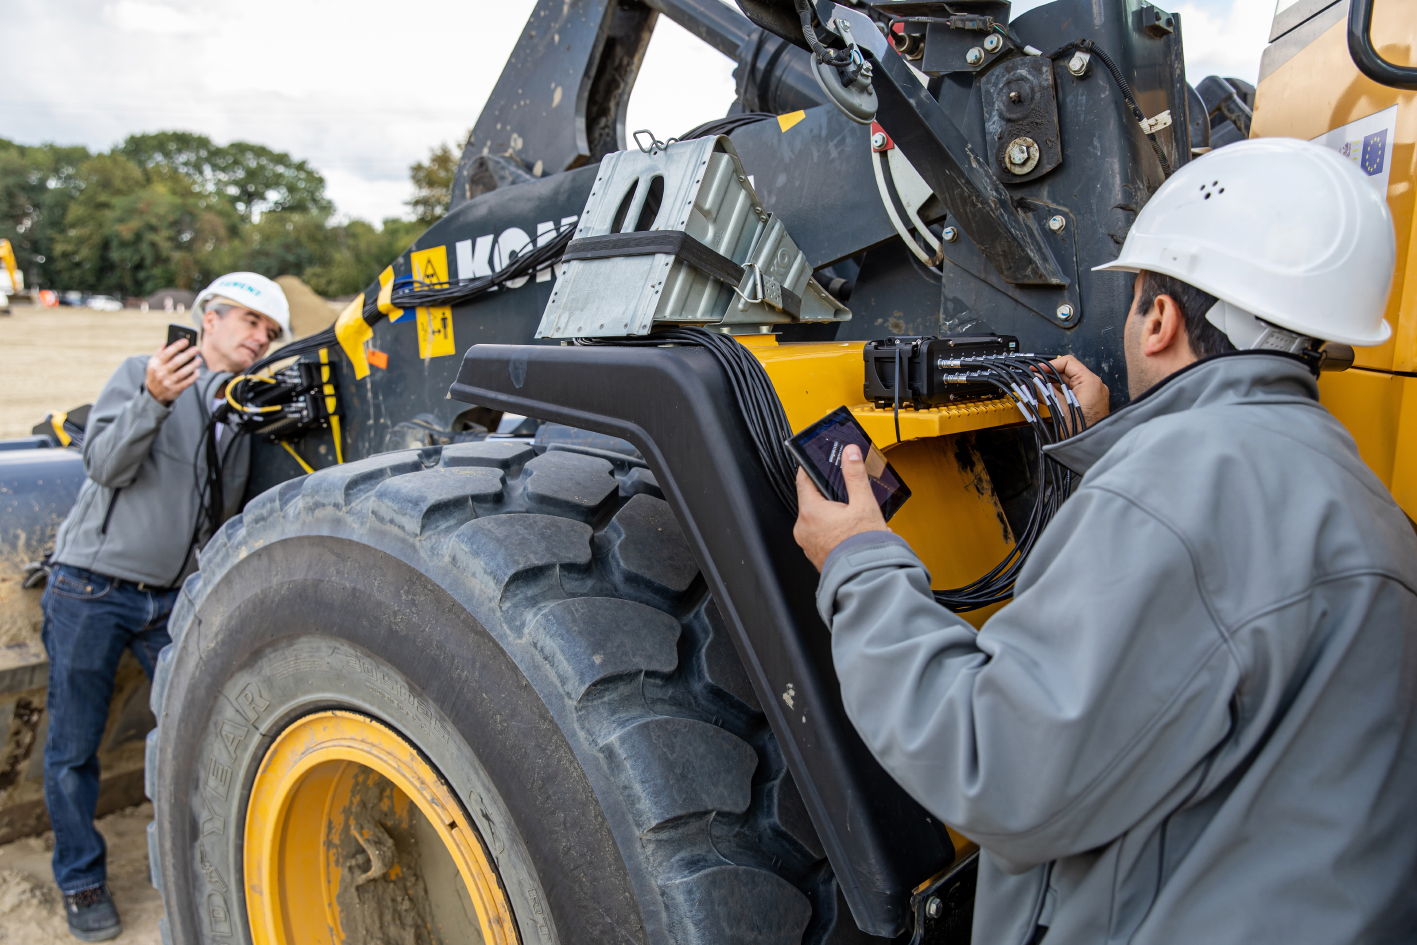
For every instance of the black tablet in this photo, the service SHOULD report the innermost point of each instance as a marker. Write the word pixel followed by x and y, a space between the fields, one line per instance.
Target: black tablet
pixel 817 450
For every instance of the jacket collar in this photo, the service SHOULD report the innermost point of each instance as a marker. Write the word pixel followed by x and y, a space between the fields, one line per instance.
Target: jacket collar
pixel 1238 377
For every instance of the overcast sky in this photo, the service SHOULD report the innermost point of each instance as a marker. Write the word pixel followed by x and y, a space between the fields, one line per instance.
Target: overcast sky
pixel 362 89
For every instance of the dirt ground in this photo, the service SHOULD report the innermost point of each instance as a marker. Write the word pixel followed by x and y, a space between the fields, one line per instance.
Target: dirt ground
pixel 59 358
pixel 31 909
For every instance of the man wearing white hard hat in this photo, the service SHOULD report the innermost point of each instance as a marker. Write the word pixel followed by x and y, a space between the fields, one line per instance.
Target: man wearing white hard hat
pixel 1197 720
pixel 127 545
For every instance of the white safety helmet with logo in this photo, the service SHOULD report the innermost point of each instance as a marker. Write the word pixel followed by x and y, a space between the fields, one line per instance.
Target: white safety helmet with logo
pixel 248 290
pixel 1283 232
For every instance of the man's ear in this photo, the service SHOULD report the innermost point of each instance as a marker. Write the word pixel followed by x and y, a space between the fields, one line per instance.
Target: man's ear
pixel 1164 328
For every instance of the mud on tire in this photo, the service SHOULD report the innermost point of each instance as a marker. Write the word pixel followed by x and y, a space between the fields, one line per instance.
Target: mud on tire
pixel 534 623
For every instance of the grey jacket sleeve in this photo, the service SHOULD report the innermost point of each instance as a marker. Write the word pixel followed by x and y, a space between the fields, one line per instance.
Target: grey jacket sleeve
pixel 122 425
pixel 1078 708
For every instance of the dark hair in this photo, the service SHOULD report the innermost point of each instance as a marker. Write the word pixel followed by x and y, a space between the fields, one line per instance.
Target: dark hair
pixel 1204 337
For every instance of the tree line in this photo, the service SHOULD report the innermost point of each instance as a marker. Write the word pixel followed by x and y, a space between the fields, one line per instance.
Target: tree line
pixel 174 210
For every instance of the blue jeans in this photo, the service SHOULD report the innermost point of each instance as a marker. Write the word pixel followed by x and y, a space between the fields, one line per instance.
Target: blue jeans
pixel 88 621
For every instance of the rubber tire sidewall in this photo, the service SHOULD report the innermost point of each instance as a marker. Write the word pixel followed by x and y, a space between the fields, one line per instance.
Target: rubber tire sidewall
pixel 299 626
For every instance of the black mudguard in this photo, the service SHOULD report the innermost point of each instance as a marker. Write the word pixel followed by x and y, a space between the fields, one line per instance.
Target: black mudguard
pixel 675 406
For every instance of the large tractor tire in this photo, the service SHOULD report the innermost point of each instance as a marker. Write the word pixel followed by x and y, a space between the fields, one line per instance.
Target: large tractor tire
pixel 469 693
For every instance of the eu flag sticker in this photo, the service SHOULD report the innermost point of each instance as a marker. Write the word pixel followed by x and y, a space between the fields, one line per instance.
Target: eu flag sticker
pixel 1374 152
pixel 1365 142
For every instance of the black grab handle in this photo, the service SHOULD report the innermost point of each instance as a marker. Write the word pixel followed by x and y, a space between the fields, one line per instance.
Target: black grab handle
pixel 1366 58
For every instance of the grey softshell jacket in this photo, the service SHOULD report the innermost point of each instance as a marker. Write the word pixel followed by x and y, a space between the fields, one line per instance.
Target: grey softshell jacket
pixel 1194 723
pixel 137 511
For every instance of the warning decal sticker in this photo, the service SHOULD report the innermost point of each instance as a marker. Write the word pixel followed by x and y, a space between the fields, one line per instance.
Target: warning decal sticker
pixel 435 325
pixel 1367 142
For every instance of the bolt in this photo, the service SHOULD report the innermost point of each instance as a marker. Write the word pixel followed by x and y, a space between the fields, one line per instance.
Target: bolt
pixel 950 234
pixel 1015 97
pixel 975 56
pixel 993 42
pixel 1078 64
pixel 934 907
pixel 1056 224
pixel 1065 312
pixel 878 141
pixel 1021 156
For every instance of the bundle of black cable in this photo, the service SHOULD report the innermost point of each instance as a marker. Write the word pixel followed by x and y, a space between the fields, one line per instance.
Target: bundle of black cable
pixel 1030 382
pixel 752 389
pixel 1026 379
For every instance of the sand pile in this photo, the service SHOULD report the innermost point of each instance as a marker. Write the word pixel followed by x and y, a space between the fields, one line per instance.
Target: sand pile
pixel 308 312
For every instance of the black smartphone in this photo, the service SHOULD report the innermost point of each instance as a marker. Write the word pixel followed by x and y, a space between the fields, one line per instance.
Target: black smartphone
pixel 818 450
pixel 174 332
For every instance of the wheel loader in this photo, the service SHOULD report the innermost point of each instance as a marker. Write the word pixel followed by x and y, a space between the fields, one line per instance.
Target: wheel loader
pixel 511 642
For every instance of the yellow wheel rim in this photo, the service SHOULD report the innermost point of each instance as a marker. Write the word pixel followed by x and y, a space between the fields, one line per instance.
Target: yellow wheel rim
pixel 340 798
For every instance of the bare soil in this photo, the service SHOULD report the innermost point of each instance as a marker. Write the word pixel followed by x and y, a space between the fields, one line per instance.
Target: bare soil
pixel 59 358
pixel 31 909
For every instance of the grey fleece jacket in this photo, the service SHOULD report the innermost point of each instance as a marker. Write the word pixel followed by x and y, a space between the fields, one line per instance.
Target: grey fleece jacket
pixel 137 512
pixel 1195 721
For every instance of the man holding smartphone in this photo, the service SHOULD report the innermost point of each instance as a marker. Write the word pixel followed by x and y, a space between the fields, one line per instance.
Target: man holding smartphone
pixel 127 545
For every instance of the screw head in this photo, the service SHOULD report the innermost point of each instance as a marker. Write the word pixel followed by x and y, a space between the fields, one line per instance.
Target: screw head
pixel 878 141
pixel 934 907
pixel 1057 223
pixel 1078 64
pixel 975 56
pixel 1065 312
pixel 1018 154
pixel 949 234
pixel 993 42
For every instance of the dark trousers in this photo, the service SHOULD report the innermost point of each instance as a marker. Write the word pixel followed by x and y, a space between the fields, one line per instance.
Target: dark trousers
pixel 89 619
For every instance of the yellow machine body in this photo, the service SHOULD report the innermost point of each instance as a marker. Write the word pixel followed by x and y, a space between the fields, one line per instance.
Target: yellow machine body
pixel 952 520
pixel 1318 89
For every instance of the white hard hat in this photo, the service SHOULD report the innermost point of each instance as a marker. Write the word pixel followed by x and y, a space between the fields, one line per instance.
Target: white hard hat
pixel 1281 229
pixel 249 290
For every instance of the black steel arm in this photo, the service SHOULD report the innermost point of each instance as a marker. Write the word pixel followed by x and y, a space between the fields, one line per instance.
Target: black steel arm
pixel 1366 56
pixel 712 21
pixel 1007 237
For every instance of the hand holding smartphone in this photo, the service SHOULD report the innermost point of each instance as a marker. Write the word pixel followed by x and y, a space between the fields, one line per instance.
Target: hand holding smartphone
pixel 168 375
pixel 818 448
pixel 176 333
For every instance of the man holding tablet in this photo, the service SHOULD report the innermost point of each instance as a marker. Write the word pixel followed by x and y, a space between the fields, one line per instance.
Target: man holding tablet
pixel 1197 719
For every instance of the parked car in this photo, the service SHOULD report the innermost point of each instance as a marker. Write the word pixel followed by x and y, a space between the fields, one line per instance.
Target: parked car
pixel 104 303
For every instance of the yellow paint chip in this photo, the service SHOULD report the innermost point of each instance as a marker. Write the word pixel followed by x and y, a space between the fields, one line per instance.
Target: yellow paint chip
pixel 791 118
